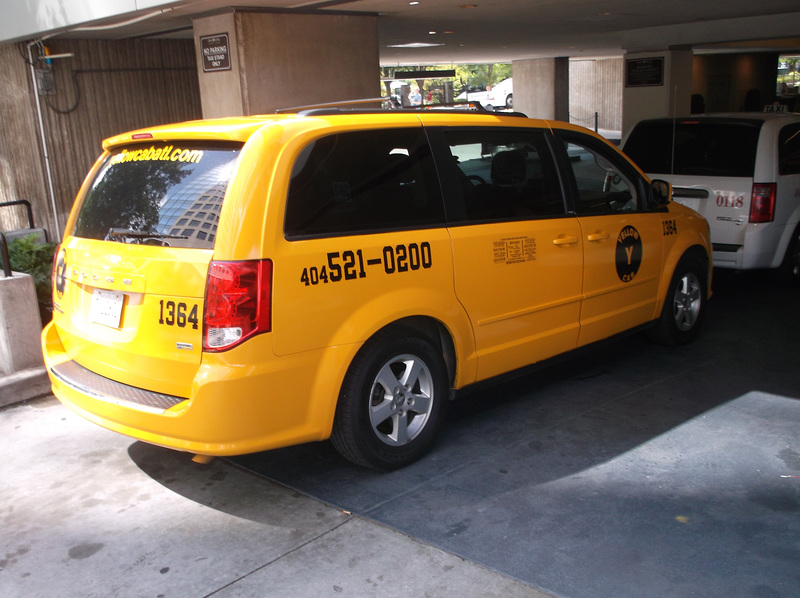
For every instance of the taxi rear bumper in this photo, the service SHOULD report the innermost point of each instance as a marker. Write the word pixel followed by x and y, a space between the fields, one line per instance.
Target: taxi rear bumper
pixel 233 408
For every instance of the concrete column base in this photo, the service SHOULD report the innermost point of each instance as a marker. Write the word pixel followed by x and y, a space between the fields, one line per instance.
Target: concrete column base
pixel 23 386
pixel 20 325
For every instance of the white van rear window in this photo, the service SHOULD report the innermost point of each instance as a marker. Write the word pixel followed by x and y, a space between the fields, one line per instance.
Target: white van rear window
pixel 695 146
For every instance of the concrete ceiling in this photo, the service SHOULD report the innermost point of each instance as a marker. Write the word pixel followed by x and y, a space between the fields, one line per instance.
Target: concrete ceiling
pixel 479 31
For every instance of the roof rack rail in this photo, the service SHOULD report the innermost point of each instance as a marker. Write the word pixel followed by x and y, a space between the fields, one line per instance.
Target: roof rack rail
pixel 339 104
pixel 392 104
pixel 468 106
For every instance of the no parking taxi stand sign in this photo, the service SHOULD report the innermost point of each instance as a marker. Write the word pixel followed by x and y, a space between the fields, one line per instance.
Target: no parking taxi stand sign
pixel 216 52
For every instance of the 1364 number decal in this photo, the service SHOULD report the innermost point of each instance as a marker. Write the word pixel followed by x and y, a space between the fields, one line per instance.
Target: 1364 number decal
pixel 350 265
pixel 177 314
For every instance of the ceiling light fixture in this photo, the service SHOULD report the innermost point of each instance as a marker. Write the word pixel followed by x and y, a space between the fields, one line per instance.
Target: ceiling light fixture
pixel 414 45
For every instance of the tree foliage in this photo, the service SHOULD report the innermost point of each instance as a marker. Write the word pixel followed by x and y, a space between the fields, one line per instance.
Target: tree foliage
pixel 466 75
pixel 788 73
pixel 29 255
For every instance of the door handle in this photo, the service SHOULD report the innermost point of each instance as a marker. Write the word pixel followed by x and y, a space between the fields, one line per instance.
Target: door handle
pixel 565 240
pixel 595 237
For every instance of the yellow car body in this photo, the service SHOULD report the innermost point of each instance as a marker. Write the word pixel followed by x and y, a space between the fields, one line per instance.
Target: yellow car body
pixel 133 344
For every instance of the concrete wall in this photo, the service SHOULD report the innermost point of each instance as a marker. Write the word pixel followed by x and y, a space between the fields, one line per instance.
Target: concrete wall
pixel 541 88
pixel 106 87
pixel 595 86
pixel 280 60
pixel 673 97
pixel 724 79
pixel 21 167
pixel 220 91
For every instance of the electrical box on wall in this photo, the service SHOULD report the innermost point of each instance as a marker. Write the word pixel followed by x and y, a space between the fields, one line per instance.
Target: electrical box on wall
pixel 45 83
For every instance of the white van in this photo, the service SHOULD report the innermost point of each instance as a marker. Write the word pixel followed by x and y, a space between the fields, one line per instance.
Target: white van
pixel 499 97
pixel 742 172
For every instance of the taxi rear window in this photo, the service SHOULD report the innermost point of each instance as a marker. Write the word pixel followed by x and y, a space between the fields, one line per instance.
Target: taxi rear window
pixel 705 147
pixel 167 194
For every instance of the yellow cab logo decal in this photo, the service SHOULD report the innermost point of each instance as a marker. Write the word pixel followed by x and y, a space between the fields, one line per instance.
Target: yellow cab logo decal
pixel 61 273
pixel 629 253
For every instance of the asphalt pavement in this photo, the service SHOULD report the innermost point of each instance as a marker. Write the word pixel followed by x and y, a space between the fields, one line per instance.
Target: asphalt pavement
pixel 627 470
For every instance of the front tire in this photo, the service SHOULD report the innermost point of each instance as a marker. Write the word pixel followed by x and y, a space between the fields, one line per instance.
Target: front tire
pixel 685 304
pixel 392 402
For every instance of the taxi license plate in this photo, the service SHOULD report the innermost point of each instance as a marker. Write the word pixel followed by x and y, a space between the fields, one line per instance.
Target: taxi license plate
pixel 106 307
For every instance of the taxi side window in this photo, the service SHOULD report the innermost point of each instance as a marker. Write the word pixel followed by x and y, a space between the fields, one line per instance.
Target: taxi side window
pixel 364 181
pixel 789 150
pixel 603 188
pixel 505 174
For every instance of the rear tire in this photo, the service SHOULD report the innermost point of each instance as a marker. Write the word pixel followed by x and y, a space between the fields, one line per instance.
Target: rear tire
pixel 392 402
pixel 685 304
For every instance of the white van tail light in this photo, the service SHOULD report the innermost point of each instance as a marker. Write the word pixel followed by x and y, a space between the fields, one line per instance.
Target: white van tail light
pixel 238 303
pixel 762 206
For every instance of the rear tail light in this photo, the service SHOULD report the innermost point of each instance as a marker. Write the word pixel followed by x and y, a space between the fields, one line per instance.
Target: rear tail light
pixel 762 206
pixel 238 303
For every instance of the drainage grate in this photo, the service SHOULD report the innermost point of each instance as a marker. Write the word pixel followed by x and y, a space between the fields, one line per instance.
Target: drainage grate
pixel 78 377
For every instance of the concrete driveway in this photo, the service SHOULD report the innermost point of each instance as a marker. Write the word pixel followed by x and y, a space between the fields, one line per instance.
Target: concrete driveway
pixel 627 470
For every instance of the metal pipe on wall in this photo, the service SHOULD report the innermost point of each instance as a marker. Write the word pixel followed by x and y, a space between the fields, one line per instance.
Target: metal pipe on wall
pixel 46 154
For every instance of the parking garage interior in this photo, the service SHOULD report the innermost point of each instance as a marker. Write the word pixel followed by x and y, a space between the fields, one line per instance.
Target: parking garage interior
pixel 626 470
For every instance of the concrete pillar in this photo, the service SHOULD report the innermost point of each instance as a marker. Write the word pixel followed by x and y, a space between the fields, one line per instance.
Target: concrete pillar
pixel 541 88
pixel 20 324
pixel 646 95
pixel 279 60
pixel 561 90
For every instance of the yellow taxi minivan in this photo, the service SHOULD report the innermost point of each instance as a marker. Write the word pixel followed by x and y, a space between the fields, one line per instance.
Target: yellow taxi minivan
pixel 237 285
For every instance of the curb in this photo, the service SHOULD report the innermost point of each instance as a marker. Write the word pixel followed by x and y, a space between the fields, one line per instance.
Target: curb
pixel 24 385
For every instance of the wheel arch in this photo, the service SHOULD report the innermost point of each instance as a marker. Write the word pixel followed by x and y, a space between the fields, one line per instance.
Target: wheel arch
pixel 790 230
pixel 437 333
pixel 434 329
pixel 697 251
pixel 431 338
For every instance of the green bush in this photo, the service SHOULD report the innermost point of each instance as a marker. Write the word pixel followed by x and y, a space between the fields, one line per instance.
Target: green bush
pixel 28 255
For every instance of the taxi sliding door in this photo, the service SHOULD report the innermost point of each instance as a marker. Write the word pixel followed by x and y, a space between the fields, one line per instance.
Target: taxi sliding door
pixel 517 255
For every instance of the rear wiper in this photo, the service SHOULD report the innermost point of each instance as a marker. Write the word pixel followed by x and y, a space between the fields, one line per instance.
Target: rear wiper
pixel 129 233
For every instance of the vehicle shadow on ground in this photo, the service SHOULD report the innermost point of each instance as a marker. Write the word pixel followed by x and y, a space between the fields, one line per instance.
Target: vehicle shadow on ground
pixel 579 411
pixel 592 460
pixel 589 407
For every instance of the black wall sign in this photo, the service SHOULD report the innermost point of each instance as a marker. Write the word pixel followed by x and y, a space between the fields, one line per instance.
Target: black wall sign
pixel 216 52
pixel 644 72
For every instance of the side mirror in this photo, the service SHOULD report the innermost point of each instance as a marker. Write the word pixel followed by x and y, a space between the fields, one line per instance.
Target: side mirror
pixel 660 193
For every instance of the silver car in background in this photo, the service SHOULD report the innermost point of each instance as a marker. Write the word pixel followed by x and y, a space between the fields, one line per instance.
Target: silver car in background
pixel 741 171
